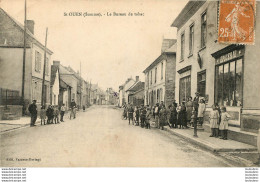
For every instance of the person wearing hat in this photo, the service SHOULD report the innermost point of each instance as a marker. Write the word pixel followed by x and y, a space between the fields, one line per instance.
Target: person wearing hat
pixel 33 111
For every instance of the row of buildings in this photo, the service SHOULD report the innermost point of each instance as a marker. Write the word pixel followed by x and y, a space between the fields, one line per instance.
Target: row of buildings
pixel 61 85
pixel 226 74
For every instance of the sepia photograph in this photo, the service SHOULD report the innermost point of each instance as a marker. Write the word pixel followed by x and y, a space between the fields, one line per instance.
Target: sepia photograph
pixel 134 83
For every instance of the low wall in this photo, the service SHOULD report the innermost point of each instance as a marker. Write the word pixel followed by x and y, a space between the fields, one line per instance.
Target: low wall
pixel 14 109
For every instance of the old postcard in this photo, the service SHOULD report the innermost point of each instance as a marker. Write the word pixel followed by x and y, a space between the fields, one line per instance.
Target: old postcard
pixel 135 83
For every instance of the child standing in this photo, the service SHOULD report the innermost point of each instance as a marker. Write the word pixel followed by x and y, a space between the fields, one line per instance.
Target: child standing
pixel 137 116
pixel 201 111
pixel 49 114
pixel 62 112
pixel 56 114
pixel 43 115
pixel 214 116
pixel 223 127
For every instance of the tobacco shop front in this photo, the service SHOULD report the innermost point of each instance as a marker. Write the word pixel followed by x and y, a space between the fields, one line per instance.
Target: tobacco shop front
pixel 234 86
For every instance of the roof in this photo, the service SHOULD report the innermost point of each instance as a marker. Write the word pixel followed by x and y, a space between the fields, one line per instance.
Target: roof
pixel 63 84
pixel 172 49
pixel 136 87
pixel 167 43
pixel 21 27
pixel 54 69
pixel 64 71
pixel 187 12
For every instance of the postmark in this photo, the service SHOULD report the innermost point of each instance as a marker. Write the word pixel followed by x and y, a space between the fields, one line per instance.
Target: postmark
pixel 237 21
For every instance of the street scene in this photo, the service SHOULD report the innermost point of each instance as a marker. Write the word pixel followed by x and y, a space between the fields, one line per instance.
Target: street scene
pixel 99 137
pixel 118 86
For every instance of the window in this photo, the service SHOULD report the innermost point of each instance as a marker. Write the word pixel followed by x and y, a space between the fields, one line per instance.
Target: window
pixel 191 41
pixel 202 83
pixel 185 88
pixel 151 78
pixel 38 58
pixel 161 70
pixel 155 75
pixel 148 78
pixel 229 83
pixel 182 46
pixel 47 66
pixel 203 29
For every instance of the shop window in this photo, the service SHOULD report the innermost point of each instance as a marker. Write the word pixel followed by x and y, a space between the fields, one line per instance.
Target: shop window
pixel 185 88
pixel 202 83
pixel 229 79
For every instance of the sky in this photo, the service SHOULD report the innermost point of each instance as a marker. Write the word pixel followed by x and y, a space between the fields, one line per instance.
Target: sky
pixel 109 48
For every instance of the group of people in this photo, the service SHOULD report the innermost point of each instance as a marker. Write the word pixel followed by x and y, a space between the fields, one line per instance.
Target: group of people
pixel 189 113
pixel 219 122
pixel 53 113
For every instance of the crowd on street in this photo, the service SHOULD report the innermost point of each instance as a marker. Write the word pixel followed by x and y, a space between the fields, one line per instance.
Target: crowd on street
pixel 187 114
pixel 54 114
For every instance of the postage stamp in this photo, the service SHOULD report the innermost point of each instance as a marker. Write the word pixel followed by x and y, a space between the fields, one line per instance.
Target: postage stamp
pixel 237 21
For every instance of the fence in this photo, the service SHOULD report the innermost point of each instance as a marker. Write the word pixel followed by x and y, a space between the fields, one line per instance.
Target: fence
pixel 9 97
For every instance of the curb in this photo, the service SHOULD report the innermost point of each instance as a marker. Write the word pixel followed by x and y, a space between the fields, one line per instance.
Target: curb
pixel 223 153
pixel 206 145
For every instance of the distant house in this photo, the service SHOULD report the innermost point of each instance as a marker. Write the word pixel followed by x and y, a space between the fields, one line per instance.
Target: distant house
pixel 136 93
pixel 11 60
pixel 111 97
pixel 123 96
pixel 55 85
pixel 66 83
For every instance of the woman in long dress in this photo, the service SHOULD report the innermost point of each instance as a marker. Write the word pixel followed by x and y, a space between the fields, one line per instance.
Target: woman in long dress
pixel 189 107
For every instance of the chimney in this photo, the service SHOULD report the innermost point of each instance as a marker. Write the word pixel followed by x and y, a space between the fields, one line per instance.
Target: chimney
pixel 30 25
pixel 137 78
pixel 56 63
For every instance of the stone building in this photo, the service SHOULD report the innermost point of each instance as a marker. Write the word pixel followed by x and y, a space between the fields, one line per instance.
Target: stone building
pixel 223 73
pixel 160 76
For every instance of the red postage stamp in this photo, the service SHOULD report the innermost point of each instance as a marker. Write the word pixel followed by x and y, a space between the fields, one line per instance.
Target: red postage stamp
pixel 237 21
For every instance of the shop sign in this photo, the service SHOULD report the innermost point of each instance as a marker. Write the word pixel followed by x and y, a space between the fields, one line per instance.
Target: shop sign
pixel 229 56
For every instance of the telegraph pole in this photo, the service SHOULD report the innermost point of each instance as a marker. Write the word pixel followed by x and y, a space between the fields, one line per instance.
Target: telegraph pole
pixel 24 55
pixel 44 64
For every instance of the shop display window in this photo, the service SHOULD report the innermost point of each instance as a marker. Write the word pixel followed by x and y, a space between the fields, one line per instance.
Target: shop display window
pixel 229 81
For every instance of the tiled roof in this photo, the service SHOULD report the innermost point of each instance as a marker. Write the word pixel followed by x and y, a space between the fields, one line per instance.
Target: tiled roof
pixel 138 86
pixel 19 25
pixel 167 43
pixel 172 49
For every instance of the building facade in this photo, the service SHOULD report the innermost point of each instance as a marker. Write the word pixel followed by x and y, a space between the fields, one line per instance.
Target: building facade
pixel 222 73
pixel 160 77
pixel 123 95
pixel 11 58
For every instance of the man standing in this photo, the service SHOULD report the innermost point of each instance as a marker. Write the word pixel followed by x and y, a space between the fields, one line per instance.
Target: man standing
pixel 73 106
pixel 130 114
pixel 33 111
pixel 196 101
pixel 62 112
